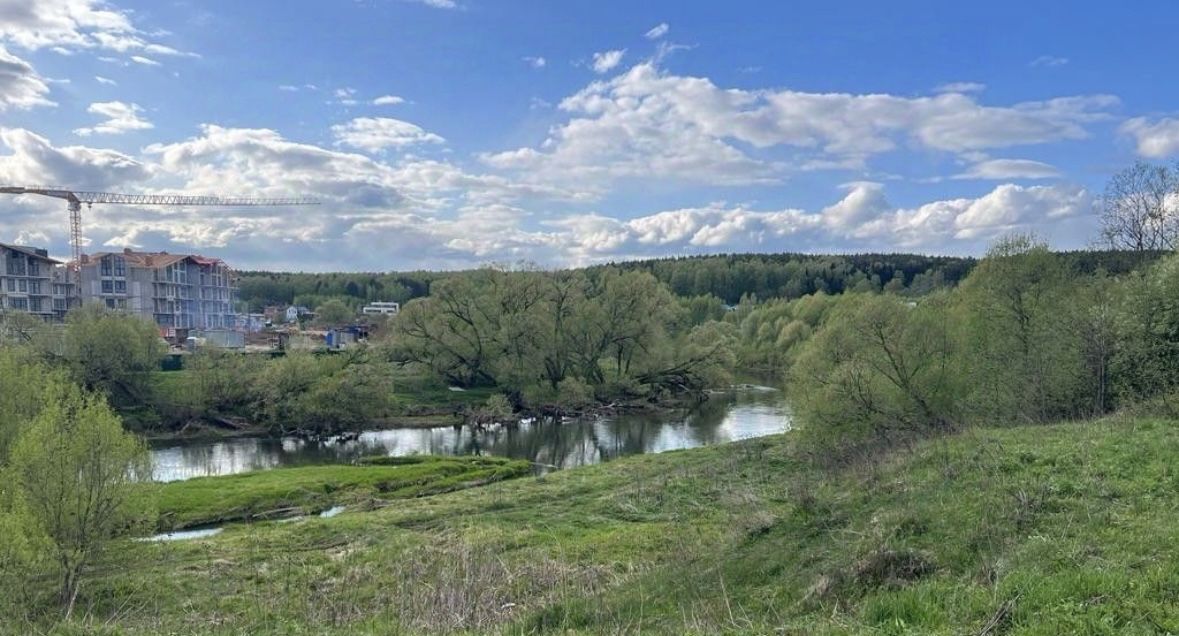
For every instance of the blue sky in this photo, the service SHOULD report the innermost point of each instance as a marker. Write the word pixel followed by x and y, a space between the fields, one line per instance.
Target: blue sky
pixel 441 133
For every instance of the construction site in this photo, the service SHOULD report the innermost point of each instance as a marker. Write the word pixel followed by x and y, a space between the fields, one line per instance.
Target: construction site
pixel 191 298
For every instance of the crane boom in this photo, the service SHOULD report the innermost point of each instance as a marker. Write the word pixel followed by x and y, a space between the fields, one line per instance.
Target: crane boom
pixel 75 199
pixel 87 197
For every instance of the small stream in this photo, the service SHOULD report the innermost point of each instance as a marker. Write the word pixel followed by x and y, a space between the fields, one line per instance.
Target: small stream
pixel 726 417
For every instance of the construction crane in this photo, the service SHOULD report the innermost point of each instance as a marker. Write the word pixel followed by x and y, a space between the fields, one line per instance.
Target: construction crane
pixel 75 198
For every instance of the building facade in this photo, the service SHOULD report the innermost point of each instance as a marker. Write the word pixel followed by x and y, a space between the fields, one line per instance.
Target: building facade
pixel 176 291
pixel 30 282
pixel 381 308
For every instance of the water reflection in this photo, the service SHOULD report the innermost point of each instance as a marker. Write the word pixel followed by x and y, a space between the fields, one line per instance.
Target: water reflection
pixel 724 418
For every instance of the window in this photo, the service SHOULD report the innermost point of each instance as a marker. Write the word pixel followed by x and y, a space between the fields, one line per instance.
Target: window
pixel 19 303
pixel 22 285
pixel 33 268
pixel 17 265
pixel 34 287
pixel 120 266
pixel 108 287
pixel 59 304
pixel 110 303
pixel 12 284
pixel 35 305
pixel 120 287
pixel 106 265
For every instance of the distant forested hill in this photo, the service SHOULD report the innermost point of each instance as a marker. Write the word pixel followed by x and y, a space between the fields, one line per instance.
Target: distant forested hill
pixel 727 276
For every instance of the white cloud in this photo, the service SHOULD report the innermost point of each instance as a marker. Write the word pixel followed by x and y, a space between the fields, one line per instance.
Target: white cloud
pixel 388 100
pixel 378 133
pixel 290 88
pixel 1157 139
pixel 20 85
pixel 961 87
pixel 428 213
pixel 146 61
pixel 121 117
pixel 657 31
pixel 607 60
pixel 68 25
pixel 1000 169
pixel 105 80
pixel 863 219
pixel 34 160
pixel 648 123
pixel 1050 61
pixel 346 96
pixel 535 62
pixel 439 4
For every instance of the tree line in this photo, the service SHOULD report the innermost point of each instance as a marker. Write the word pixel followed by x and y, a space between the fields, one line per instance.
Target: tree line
pixel 1027 337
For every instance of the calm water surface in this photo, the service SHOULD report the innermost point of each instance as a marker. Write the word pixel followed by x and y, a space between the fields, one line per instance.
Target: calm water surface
pixel 724 418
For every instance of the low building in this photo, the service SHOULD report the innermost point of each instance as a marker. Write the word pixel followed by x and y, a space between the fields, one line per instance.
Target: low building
pixel 30 282
pixel 295 312
pixel 381 308
pixel 178 292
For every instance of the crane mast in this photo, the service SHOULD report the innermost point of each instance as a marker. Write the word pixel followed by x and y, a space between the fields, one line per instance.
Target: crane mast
pixel 75 198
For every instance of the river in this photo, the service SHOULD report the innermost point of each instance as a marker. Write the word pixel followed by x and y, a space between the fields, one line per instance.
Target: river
pixel 726 417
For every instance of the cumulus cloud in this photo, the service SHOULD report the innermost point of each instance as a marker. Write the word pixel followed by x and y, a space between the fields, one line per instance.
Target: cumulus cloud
pixel 1155 139
pixel 388 100
pixel 378 133
pixel 535 61
pixel 20 85
pixel 69 25
pixel 121 117
pixel 605 61
pixel 862 219
pixel 429 213
pixel 650 123
pixel 657 31
pixel 33 160
pixel 1000 169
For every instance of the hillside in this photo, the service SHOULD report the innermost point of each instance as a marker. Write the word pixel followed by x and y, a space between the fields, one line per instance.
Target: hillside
pixel 1055 529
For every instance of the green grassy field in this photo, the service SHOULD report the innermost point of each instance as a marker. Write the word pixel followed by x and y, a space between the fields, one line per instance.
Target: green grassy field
pixel 1031 530
pixel 306 489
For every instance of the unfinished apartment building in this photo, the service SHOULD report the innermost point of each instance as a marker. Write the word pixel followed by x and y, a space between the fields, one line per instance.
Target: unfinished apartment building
pixel 31 282
pixel 176 291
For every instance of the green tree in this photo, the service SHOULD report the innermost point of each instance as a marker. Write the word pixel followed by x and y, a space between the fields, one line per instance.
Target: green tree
pixel 112 352
pixel 334 312
pixel 1025 357
pixel 76 472
pixel 878 366
pixel 1146 362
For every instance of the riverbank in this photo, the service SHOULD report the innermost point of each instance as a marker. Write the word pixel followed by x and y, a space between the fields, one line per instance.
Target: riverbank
pixel 1026 530
pixel 288 492
pixel 420 411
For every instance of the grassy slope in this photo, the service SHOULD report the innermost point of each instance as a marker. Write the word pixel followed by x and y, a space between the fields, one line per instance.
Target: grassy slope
pixel 307 489
pixel 1038 530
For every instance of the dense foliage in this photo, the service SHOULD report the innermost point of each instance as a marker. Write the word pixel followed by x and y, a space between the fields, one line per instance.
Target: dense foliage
pixel 66 479
pixel 1029 336
pixel 560 336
